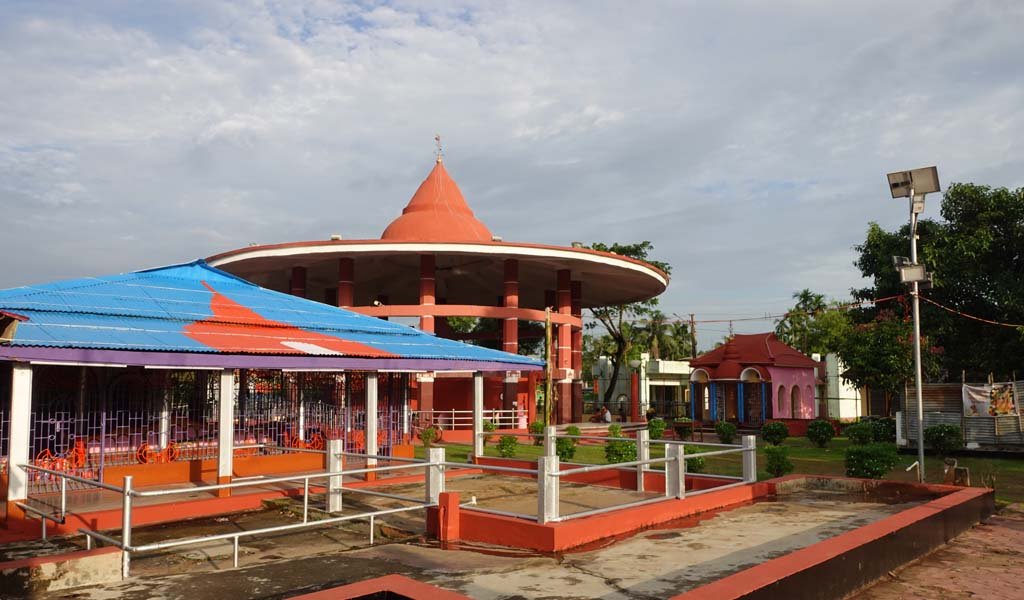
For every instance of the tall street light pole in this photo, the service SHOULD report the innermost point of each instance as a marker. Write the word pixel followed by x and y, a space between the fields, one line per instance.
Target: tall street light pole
pixel 914 185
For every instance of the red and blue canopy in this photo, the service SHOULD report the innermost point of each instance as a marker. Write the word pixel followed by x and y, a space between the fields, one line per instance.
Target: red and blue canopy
pixel 194 315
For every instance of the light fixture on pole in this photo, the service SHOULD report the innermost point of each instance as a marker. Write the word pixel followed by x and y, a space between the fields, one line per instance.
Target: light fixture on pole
pixel 914 185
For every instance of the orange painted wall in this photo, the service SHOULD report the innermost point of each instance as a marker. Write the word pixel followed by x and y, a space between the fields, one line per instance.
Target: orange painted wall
pixel 456 393
pixel 205 471
pixel 552 537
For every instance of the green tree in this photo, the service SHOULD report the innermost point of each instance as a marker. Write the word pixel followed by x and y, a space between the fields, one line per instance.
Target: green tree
pixel 812 325
pixel 976 255
pixel 617 320
pixel 879 354
pixel 665 339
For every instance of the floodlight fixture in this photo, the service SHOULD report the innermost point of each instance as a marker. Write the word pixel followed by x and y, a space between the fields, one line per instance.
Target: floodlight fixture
pixel 912 273
pixel 920 181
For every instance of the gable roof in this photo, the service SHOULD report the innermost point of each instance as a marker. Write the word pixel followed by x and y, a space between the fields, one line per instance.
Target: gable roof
pixel 196 309
pixel 750 350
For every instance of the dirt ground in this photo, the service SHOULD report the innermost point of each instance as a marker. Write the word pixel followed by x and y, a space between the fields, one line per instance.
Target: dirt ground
pixel 986 562
pixel 653 564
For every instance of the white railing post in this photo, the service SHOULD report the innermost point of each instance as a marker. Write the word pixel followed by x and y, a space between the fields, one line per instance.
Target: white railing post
pixel 371 420
pixel 643 453
pixel 19 453
pixel 335 464
pixel 435 475
pixel 675 471
pixel 226 427
pixel 478 414
pixel 549 440
pixel 547 489
pixel 126 526
pixel 749 458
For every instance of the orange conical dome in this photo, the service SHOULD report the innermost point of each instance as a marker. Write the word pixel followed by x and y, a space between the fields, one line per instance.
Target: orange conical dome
pixel 437 213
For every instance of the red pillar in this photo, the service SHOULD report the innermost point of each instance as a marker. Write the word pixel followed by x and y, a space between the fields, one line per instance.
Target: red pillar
pixel 427 287
pixel 297 283
pixel 510 328
pixel 577 352
pixel 564 299
pixel 346 282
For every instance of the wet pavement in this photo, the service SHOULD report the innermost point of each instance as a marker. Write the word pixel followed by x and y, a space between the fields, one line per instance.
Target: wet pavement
pixel 652 564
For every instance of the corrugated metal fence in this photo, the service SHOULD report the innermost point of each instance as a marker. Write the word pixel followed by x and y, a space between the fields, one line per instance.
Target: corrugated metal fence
pixel 943 404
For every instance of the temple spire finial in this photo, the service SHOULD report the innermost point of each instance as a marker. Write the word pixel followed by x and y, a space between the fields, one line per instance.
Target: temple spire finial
pixel 440 151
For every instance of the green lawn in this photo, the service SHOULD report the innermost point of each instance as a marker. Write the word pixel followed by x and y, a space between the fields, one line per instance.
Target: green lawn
pixel 1008 472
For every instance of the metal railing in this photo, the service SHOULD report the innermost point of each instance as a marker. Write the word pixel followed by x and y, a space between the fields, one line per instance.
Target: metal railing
pixel 463 419
pixel 60 516
pixel 550 474
pixel 433 468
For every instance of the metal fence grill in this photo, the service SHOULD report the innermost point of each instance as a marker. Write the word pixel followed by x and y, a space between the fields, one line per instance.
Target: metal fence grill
pixel 85 421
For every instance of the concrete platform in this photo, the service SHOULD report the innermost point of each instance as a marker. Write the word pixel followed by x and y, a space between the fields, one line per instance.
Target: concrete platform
pixel 657 563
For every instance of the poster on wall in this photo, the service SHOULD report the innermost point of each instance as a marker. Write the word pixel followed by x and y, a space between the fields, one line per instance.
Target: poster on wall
pixel 989 400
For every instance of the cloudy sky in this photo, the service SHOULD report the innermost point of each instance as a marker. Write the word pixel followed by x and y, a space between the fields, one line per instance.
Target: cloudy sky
pixel 747 140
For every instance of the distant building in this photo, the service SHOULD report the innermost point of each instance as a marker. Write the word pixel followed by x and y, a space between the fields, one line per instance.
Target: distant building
pixel 754 378
pixel 658 384
pixel 838 398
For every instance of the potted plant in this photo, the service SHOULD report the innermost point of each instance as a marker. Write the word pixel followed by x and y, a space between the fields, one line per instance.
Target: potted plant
pixel 683 426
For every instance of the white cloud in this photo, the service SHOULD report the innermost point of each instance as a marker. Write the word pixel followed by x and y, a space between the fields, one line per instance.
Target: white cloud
pixel 748 141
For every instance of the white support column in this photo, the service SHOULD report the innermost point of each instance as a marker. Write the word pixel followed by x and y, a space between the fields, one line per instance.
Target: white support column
pixel 21 424
pixel 749 458
pixel 335 464
pixel 226 427
pixel 549 440
pixel 371 419
pixel 643 450
pixel 478 414
pixel 165 418
pixel 547 489
pixel 675 471
pixel 435 475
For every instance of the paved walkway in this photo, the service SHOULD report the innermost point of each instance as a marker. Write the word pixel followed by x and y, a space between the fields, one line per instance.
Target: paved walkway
pixel 986 562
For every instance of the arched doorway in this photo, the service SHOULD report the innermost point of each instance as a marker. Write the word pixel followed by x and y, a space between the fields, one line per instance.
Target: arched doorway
pixel 752 385
pixel 780 403
pixel 794 403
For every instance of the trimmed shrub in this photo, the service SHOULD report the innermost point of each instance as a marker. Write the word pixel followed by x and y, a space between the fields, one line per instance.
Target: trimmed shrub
pixel 683 426
pixel 943 439
pixel 695 465
pixel 774 433
pixel 861 434
pixel 428 435
pixel 537 428
pixel 778 460
pixel 885 429
pixel 489 426
pixel 616 451
pixel 872 461
pixel 565 448
pixel 820 432
pixel 726 431
pixel 507 446
pixel 656 427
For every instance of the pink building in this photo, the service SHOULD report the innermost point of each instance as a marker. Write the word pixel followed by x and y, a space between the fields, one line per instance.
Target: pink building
pixel 751 379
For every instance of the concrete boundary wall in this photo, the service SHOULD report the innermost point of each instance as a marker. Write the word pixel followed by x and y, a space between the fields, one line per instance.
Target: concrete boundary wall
pixel 838 566
pixel 29 577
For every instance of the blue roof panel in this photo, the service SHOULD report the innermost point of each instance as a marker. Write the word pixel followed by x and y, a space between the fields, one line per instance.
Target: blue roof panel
pixel 196 308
